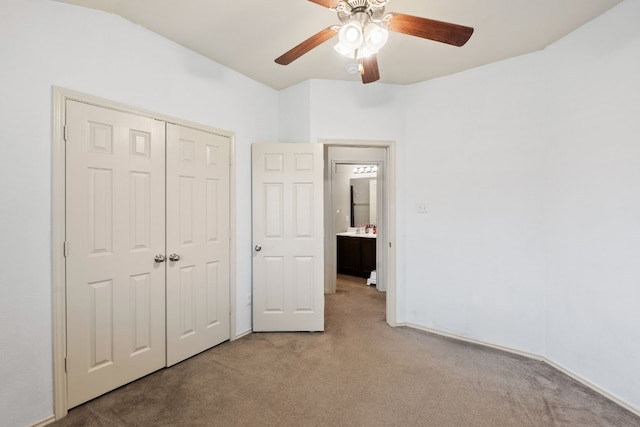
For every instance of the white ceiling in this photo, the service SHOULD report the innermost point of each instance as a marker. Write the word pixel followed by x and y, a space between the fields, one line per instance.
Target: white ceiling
pixel 247 35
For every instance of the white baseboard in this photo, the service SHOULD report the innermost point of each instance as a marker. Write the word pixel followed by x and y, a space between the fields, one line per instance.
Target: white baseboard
pixel 44 422
pixel 533 356
pixel 593 387
pixel 473 341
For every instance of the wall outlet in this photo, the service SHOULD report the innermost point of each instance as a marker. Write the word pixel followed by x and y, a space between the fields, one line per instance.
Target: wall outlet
pixel 422 207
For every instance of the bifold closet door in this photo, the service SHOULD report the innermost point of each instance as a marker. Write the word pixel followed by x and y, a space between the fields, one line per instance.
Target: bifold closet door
pixel 115 225
pixel 197 241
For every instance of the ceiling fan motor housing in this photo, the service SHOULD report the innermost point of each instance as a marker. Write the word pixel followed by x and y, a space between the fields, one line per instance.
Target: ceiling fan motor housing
pixel 362 10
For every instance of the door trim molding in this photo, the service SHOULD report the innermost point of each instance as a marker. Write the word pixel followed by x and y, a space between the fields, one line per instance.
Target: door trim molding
pixel 389 183
pixel 58 188
pixel 59 308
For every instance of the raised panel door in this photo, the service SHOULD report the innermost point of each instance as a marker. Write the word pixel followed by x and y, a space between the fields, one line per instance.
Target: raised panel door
pixel 198 234
pixel 288 260
pixel 115 226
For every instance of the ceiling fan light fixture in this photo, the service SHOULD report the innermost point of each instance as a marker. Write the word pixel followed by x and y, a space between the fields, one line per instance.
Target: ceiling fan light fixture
pixel 375 37
pixel 343 50
pixel 363 52
pixel 350 35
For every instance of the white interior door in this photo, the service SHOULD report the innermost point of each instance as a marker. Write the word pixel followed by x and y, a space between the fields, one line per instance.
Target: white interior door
pixel 197 241
pixel 115 222
pixel 288 270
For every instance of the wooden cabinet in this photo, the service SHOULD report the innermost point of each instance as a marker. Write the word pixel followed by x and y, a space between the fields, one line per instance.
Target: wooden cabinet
pixel 356 255
pixel 368 255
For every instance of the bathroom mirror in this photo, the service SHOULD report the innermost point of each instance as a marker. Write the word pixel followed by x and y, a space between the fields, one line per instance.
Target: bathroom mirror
pixel 363 201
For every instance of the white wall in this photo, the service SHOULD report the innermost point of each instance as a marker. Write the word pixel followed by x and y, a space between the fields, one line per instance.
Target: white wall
pixel 45 43
pixel 475 155
pixel 351 110
pixel 295 118
pixel 530 168
pixel 593 202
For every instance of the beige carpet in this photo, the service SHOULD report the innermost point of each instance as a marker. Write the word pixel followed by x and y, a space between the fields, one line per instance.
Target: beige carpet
pixel 359 372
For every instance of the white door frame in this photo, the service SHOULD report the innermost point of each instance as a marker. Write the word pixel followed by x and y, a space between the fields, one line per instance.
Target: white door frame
pixel 59 314
pixel 388 216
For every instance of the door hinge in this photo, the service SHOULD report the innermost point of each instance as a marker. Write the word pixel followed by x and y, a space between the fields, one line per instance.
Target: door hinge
pixel 389 244
pixel 65 248
pixel 65 365
pixel 64 132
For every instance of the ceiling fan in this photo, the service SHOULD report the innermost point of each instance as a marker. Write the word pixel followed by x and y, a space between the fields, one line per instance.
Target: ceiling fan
pixel 364 30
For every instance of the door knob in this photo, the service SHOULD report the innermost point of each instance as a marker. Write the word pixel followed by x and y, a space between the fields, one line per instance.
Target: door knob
pixel 159 258
pixel 258 248
pixel 174 257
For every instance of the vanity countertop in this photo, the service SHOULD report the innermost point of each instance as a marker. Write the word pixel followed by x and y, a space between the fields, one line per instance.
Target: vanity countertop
pixel 354 234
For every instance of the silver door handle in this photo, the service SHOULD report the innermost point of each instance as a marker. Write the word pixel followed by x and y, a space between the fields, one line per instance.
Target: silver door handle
pixel 174 257
pixel 258 248
pixel 159 258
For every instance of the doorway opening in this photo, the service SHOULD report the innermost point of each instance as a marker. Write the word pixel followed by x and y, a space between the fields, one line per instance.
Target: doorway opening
pixel 354 195
pixel 345 156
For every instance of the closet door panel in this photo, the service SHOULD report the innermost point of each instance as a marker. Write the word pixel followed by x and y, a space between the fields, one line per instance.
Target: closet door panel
pixel 198 238
pixel 115 225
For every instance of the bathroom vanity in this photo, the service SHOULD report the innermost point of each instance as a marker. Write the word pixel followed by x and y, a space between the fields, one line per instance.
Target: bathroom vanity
pixel 356 253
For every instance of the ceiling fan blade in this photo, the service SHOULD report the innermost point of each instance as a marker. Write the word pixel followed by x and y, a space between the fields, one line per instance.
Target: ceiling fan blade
pixel 331 4
pixel 370 72
pixel 304 47
pixel 439 31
